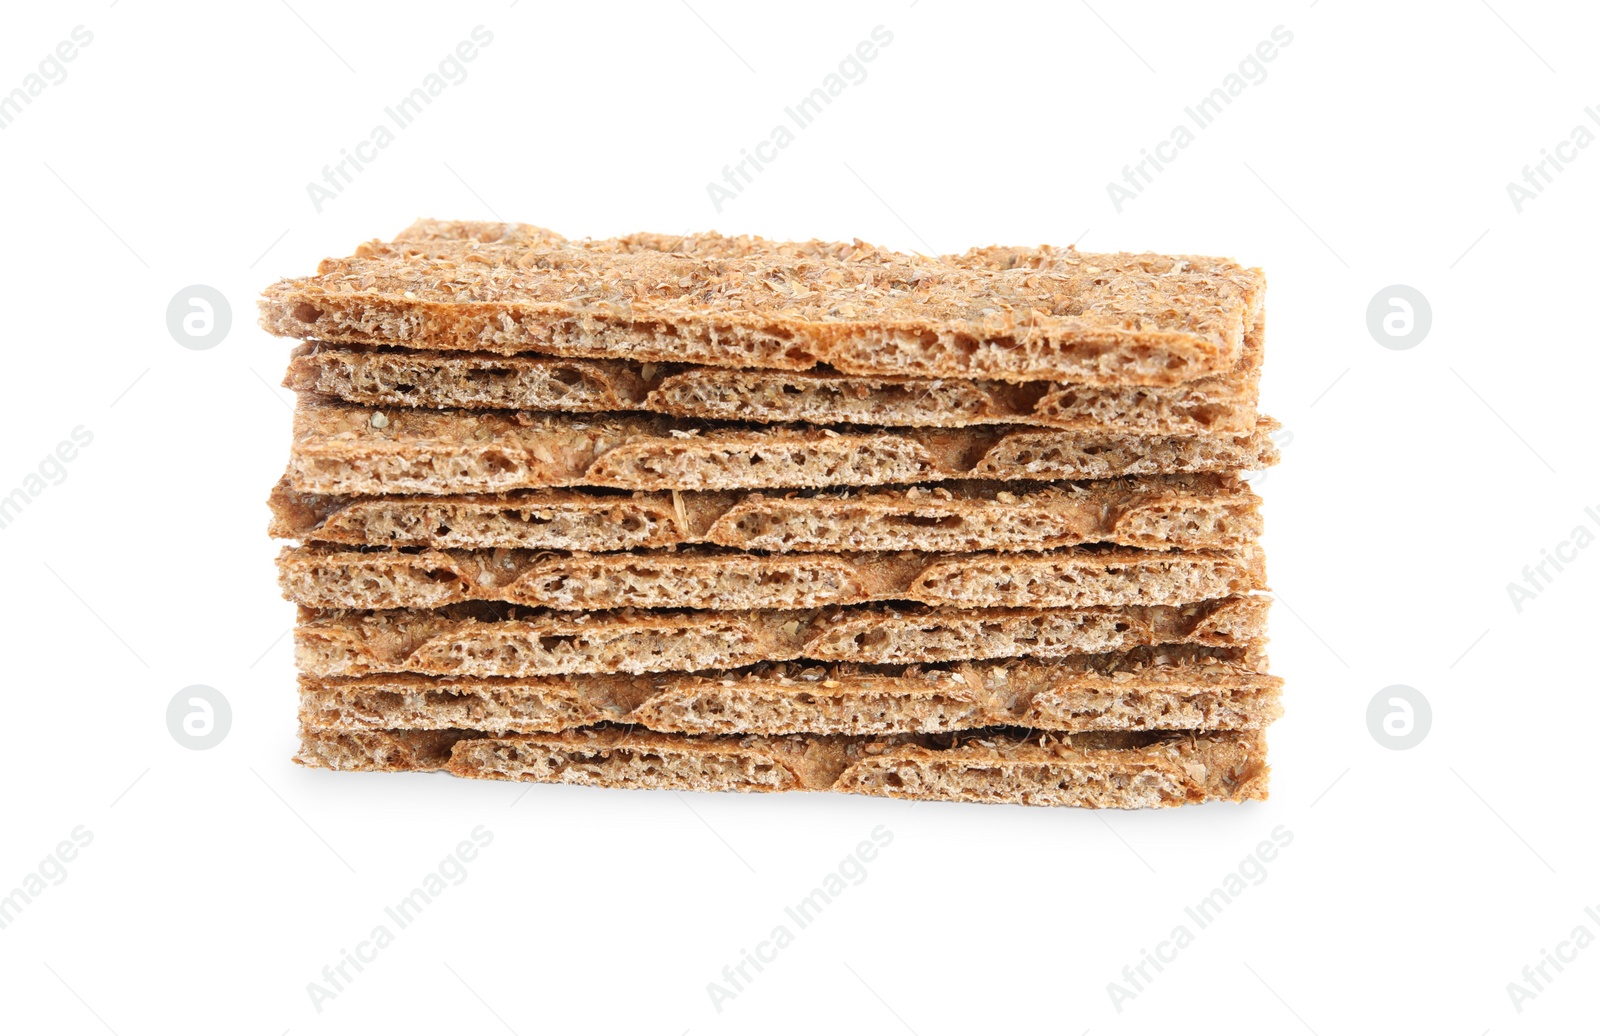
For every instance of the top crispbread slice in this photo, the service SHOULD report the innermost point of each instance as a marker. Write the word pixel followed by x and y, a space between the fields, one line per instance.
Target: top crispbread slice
pixel 1008 314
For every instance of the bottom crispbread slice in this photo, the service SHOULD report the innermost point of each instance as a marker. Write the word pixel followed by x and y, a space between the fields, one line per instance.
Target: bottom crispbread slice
pixel 1123 771
pixel 1149 689
pixel 385 750
pixel 1188 512
pixel 481 639
pixel 1103 771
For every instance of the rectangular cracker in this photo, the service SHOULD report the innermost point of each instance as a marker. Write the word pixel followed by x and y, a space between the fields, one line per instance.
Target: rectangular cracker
pixel 386 377
pixel 504 640
pixel 343 449
pixel 1189 512
pixel 1009 314
pixel 1165 688
pixel 1101 770
pixel 331 577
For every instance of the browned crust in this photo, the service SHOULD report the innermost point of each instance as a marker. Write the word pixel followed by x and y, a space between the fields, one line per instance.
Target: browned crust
pixel 1009 314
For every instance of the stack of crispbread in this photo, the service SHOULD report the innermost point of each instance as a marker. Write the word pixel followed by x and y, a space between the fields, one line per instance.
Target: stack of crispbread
pixel 721 513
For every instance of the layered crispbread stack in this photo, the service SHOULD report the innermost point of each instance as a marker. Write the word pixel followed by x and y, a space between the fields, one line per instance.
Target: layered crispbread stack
pixel 710 513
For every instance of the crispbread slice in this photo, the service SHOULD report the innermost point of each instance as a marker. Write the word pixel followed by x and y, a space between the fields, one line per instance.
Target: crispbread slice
pixel 326 576
pixel 381 750
pixel 1222 403
pixel 379 377
pixel 1166 688
pixel 1190 512
pixel 504 640
pixel 1115 770
pixel 1004 313
pixel 339 448
pixel 428 378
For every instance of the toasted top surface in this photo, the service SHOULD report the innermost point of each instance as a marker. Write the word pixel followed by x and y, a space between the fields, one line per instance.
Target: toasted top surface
pixel 1061 293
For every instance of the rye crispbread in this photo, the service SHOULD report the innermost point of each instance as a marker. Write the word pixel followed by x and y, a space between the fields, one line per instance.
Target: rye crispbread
pixel 482 639
pixel 387 377
pixel 389 751
pixel 1009 314
pixel 1190 512
pixel 344 449
pixel 1167 688
pixel 1224 403
pixel 1036 456
pixel 384 377
pixel 1103 770
pixel 331 577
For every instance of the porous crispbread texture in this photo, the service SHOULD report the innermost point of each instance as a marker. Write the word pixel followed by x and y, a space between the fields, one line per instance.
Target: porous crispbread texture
pixel 1104 771
pixel 542 520
pixel 1166 688
pixel 1169 512
pixel 1123 771
pixel 1216 404
pixel 401 377
pixel 388 750
pixel 330 577
pixel 412 701
pixel 1188 512
pixel 1065 696
pixel 618 758
pixel 344 449
pixel 761 699
pixel 884 634
pixel 504 640
pixel 1002 313
pixel 1084 577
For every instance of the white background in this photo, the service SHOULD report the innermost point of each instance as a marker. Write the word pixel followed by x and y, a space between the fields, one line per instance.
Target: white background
pixel 1416 486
